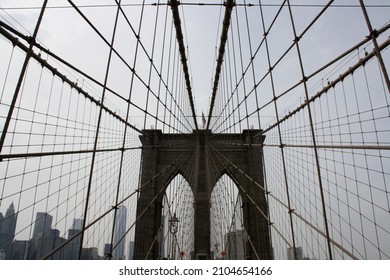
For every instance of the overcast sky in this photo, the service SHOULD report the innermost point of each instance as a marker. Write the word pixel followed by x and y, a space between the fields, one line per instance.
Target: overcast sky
pixel 65 33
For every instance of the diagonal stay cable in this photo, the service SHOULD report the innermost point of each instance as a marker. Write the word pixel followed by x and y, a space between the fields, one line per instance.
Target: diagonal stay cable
pixel 234 214
pixel 254 204
pixel 219 155
pixel 308 77
pixel 15 41
pixel 45 50
pixel 332 84
pixel 62 245
pixel 29 54
pixel 201 4
pixel 114 207
pixel 44 63
pixel 146 208
pixel 303 219
pixel 98 127
pixel 132 69
pixel 192 172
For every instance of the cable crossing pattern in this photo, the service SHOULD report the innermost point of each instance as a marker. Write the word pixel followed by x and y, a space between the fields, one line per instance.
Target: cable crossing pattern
pixel 83 86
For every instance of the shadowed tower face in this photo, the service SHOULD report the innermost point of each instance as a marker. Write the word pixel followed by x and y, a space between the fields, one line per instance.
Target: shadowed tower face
pixel 198 157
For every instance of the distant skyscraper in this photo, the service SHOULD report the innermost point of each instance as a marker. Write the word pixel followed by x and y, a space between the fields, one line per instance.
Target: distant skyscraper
pixel 20 249
pixel 131 250
pixel 3 256
pixel 235 244
pixel 107 249
pixel 77 224
pixel 1 225
pixel 42 225
pixel 290 253
pixel 89 254
pixel 7 230
pixel 76 228
pixel 119 233
pixel 1 219
pixel 45 244
pixel 73 247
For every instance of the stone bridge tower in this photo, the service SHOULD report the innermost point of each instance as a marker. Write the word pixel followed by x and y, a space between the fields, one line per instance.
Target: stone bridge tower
pixel 166 155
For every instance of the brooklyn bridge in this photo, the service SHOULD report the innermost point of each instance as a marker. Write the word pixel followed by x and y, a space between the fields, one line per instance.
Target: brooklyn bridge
pixel 245 129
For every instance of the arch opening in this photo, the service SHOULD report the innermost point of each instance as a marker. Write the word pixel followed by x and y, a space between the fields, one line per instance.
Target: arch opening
pixel 228 235
pixel 176 233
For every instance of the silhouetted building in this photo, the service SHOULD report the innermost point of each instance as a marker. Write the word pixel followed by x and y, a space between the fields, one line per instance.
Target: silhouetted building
pixel 77 224
pixel 73 233
pixel 131 250
pixel 20 249
pixel 107 251
pixel 290 253
pixel 3 256
pixel 89 254
pixel 42 225
pixel 119 234
pixel 45 239
pixel 1 220
pixel 7 230
pixel 73 247
pixel 44 245
pixel 235 245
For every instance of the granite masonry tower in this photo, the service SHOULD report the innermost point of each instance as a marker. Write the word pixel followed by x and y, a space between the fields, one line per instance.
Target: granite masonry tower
pixel 193 155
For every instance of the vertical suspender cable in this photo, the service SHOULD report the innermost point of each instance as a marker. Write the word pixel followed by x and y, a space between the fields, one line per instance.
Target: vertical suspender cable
pixel 290 210
pixel 229 4
pixel 315 149
pixel 179 35
pixel 21 76
pixel 97 128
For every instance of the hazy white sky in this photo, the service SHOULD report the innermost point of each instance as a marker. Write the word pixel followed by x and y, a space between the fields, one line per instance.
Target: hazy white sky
pixel 65 33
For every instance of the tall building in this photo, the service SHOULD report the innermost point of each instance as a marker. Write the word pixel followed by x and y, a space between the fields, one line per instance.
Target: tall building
pixel 1 219
pixel 235 244
pixel 119 234
pixel 89 254
pixel 73 247
pixel 45 244
pixel 76 228
pixel 42 225
pixel 290 253
pixel 77 224
pixel 3 256
pixel 44 238
pixel 7 230
pixel 106 251
pixel 20 249
pixel 131 250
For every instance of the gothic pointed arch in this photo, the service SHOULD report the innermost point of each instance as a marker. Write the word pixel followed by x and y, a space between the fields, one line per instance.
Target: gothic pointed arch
pixel 196 157
pixel 176 238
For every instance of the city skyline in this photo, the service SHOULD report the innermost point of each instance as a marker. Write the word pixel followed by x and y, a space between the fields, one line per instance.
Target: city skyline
pixel 44 239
